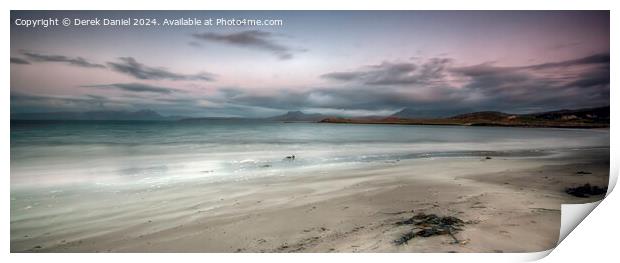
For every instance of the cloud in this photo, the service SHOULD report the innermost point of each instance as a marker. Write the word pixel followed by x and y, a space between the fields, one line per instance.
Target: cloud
pixel 436 87
pixel 394 73
pixel 75 61
pixel 432 87
pixel 195 44
pixel 564 45
pixel 592 79
pixel 22 61
pixel 23 102
pixel 255 39
pixel 134 87
pixel 358 99
pixel 586 72
pixel 18 97
pixel 130 66
pixel 602 58
pixel 581 82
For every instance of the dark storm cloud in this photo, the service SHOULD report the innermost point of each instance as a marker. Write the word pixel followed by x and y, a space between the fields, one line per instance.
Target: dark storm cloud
pixel 178 100
pixel 388 73
pixel 135 87
pixel 430 88
pixel 545 86
pixel 32 103
pixel 488 77
pixel 363 98
pixel 255 39
pixel 491 79
pixel 20 97
pixel 590 60
pixel 593 79
pixel 75 61
pixel 437 88
pixel 96 97
pixel 23 102
pixel 130 66
pixel 22 61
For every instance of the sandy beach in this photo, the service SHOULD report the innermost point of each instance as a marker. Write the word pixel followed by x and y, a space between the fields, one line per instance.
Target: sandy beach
pixel 508 204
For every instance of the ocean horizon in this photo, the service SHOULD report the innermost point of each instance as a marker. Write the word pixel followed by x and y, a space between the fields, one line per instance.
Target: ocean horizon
pixel 102 152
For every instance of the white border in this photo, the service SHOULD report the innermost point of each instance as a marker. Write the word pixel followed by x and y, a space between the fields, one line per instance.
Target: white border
pixel 595 239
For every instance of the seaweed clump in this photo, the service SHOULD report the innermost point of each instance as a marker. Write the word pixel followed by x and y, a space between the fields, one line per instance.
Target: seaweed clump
pixel 426 225
pixel 586 190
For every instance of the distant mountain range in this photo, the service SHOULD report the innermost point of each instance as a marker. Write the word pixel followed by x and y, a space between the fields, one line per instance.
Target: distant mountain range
pixel 408 113
pixel 298 116
pixel 291 116
pixel 150 115
pixel 581 118
pixel 404 113
pixel 141 115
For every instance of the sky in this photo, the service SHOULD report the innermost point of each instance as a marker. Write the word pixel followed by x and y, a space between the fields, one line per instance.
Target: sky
pixel 348 63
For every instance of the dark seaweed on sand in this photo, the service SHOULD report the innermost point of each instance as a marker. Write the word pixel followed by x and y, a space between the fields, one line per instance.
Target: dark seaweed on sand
pixel 586 190
pixel 430 225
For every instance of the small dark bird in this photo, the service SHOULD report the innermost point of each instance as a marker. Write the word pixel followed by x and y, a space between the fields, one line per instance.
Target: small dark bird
pixel 292 157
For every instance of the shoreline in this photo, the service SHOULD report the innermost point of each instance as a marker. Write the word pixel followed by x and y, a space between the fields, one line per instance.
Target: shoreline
pixel 586 126
pixel 511 204
pixel 449 123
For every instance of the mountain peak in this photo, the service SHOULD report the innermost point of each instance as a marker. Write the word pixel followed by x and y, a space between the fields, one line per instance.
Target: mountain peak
pixel 405 113
pixel 298 116
pixel 295 113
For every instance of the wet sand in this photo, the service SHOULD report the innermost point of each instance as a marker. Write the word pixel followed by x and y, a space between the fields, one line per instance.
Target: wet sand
pixel 509 204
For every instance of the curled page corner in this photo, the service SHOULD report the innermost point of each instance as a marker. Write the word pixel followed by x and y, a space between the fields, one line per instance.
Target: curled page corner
pixel 534 256
pixel 572 215
pixel 613 175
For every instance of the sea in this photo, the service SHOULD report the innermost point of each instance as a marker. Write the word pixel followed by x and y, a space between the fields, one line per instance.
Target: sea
pixel 48 154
